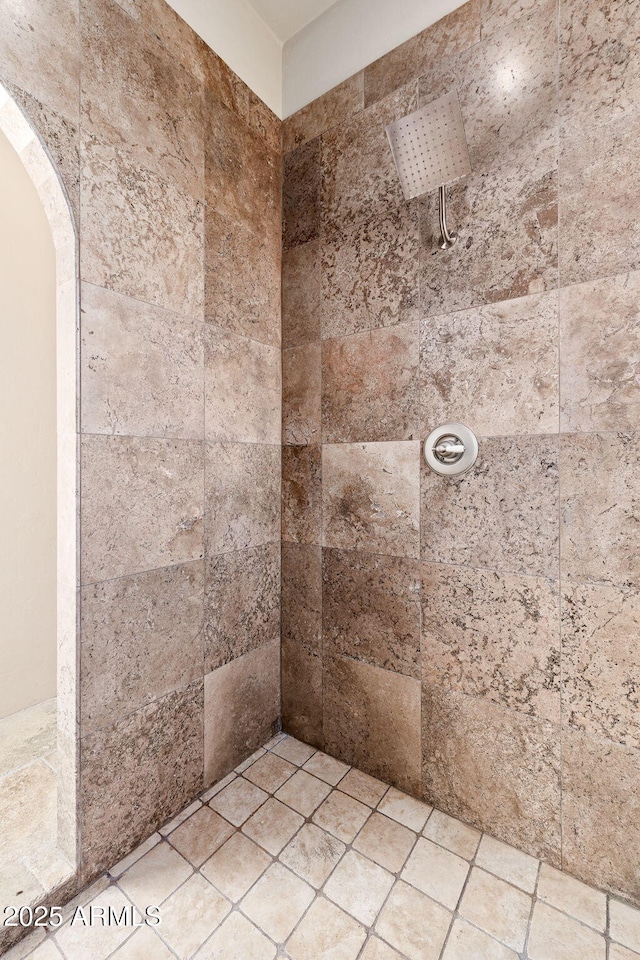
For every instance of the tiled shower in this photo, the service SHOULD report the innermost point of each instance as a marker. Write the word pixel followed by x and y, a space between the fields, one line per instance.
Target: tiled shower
pixel 473 640
pixel 267 332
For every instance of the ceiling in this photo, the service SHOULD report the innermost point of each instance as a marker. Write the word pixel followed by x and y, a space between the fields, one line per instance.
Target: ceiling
pixel 286 17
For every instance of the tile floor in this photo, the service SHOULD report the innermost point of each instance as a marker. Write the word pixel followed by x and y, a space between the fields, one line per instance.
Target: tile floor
pixel 295 855
pixel 29 859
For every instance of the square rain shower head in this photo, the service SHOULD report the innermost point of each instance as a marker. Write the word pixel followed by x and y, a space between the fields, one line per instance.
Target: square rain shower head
pixel 429 146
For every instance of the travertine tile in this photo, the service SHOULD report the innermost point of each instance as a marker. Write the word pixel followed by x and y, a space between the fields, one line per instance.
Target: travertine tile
pixel 599 508
pixel 506 221
pixel 413 923
pixel 601 813
pixel 359 886
pixel 250 760
pixel 497 908
pixel 124 530
pixel 155 876
pixel 507 226
pixel 238 801
pixel 376 949
pixel 452 834
pixel 466 941
pixel 242 279
pixel 144 943
pixel 242 492
pixel 237 939
pixel 241 708
pixel 371 497
pixel 509 864
pixel 200 836
pixel 27 736
pixel 295 751
pixel 327 933
pixel 449 36
pixel 505 378
pixel 243 387
pixel 141 368
pixel 219 79
pixel 273 825
pixel 302 594
pixel 323 113
pixel 326 767
pixel 265 122
pixel 303 792
pixel 119 868
pixel 125 787
pixel 312 854
pixel 39 51
pixel 136 95
pixel 302 691
pixel 495 13
pixel 372 720
pixel 554 934
pixel 242 603
pixel 359 180
pixel 61 138
pixel 507 86
pixel 385 841
pixel 600 339
pixel 270 772
pixel 301 394
pixel 502 514
pixel 572 897
pixel 616 952
pixel 370 386
pixel 242 175
pixel 404 809
pixel 624 924
pixel 302 176
pixel 342 816
pixel 588 157
pixel 236 866
pixel 371 609
pixel 363 787
pixel 437 872
pixel 599 663
pixel 132 219
pixel 179 818
pixel 80 940
pixel 493 635
pixel 494 767
pixel 141 639
pixel 277 902
pixel 190 915
pixel 217 787
pixel 370 275
pixel 301 294
pixel 302 493
pixel 599 64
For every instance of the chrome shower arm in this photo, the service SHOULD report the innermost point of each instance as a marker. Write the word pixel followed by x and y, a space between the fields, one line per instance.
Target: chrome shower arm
pixel 447 239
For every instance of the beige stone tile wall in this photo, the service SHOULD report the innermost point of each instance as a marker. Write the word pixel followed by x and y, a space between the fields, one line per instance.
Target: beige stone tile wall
pixel 172 167
pixel 507 599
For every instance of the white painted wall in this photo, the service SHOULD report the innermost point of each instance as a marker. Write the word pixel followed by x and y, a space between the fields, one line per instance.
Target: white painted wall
pixel 346 38
pixel 244 41
pixel 27 442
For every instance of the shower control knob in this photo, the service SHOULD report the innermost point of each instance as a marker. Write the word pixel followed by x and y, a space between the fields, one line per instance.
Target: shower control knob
pixel 451 449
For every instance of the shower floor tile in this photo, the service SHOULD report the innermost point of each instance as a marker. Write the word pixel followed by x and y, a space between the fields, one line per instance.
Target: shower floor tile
pixel 30 864
pixel 331 864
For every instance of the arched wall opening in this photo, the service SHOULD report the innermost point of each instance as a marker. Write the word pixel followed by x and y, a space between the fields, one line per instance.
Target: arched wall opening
pixel 56 368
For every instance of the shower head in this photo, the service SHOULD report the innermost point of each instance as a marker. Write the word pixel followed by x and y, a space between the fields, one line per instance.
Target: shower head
pixel 429 146
pixel 430 149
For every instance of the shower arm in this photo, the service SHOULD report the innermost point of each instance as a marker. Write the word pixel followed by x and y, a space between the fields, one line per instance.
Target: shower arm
pixel 447 239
